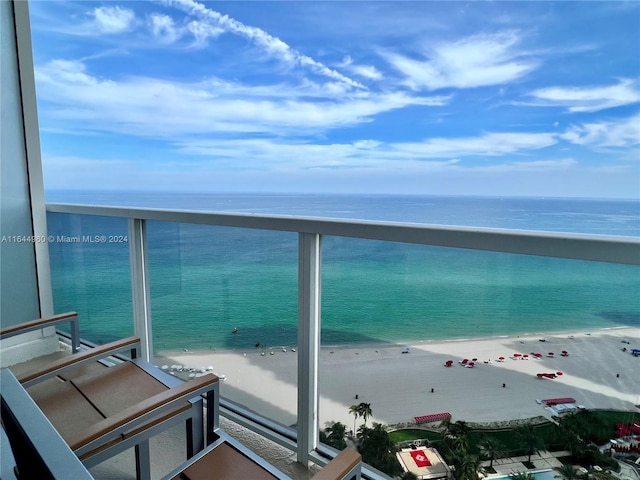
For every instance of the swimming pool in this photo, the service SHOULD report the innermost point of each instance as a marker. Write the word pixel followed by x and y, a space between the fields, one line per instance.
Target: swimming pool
pixel 539 475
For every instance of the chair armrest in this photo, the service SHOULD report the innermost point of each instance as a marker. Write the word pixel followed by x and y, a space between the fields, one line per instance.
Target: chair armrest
pixel 345 465
pixel 116 425
pixel 38 449
pixel 71 317
pixel 73 361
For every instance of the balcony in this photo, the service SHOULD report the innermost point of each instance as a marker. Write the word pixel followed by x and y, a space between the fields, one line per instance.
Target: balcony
pixel 209 290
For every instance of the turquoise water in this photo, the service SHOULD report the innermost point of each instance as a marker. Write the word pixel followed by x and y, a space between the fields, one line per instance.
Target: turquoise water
pixel 542 475
pixel 205 281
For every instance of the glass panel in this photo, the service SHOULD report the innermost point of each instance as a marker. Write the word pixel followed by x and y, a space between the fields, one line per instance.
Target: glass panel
pixel 90 273
pixel 226 298
pixel 394 314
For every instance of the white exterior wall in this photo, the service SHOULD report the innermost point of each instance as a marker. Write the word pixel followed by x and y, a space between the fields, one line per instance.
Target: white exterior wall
pixel 25 288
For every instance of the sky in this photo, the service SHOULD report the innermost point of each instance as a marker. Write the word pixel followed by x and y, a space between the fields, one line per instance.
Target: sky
pixel 497 98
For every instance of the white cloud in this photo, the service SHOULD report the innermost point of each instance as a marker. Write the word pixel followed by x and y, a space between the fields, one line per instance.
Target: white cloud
pixel 163 28
pixel 489 144
pixel 163 109
pixel 112 19
pixel 270 44
pixel 620 134
pixel 590 99
pixel 475 61
pixel 202 31
pixel 376 154
pixel 527 166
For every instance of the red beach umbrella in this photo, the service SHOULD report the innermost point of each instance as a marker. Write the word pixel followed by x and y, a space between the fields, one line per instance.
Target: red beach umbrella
pixel 474 359
pixel 551 354
pixel 525 356
pixel 500 358
pixel 517 354
pixel 559 373
pixel 538 355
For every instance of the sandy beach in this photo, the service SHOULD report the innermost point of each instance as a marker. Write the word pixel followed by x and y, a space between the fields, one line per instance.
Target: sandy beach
pixel 596 373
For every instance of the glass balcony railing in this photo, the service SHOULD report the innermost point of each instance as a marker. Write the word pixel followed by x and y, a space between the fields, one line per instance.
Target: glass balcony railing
pixel 243 295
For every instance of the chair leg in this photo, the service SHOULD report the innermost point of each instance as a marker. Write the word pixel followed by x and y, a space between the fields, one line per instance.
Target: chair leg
pixel 143 461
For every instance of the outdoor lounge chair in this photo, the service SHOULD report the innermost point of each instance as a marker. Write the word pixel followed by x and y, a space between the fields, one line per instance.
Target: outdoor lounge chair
pixel 102 402
pixel 40 452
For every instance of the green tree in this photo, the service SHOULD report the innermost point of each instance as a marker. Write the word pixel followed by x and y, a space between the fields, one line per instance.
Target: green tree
pixel 353 410
pixel 362 433
pixel 491 449
pixel 335 434
pixel 364 411
pixel 379 451
pixel 455 437
pixel 567 472
pixel 467 466
pixel 575 445
pixel 408 476
pixel 456 429
pixel 529 440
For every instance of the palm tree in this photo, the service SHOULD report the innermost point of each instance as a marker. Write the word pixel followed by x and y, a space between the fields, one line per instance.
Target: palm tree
pixel 567 472
pixel 353 410
pixel 457 429
pixel 456 436
pixel 468 467
pixel 491 449
pixel 529 440
pixel 379 451
pixel 575 445
pixel 364 410
pixel 362 433
pixel 335 435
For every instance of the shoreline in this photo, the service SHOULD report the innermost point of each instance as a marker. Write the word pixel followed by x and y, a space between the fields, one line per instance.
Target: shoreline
pixel 399 343
pixel 398 386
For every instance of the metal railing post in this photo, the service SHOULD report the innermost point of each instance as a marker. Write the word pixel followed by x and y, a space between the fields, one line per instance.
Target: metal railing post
pixel 140 285
pixel 308 343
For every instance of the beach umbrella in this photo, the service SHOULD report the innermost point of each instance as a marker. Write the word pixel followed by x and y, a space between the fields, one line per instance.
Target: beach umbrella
pixel 538 355
pixel 551 354
pixel 474 359
pixel 558 373
pixel 517 354
pixel 525 356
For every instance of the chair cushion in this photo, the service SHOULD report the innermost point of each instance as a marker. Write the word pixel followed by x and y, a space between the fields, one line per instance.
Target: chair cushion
pixel 69 412
pixel 112 390
pixel 225 463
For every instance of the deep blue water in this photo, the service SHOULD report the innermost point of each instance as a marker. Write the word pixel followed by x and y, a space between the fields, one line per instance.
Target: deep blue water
pixel 205 281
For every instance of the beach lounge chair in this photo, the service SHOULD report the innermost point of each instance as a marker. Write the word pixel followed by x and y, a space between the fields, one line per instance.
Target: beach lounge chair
pixel 105 400
pixel 40 452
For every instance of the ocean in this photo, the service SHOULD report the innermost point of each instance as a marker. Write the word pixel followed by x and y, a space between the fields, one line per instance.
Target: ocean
pixel 207 281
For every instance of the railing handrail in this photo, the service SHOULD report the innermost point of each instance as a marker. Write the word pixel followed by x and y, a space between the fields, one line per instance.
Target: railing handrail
pixel 599 248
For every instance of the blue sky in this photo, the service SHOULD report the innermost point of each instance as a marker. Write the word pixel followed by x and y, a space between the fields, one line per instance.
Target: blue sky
pixel 478 98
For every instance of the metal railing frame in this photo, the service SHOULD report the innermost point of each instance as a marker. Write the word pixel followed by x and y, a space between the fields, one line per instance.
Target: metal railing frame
pixel 598 248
